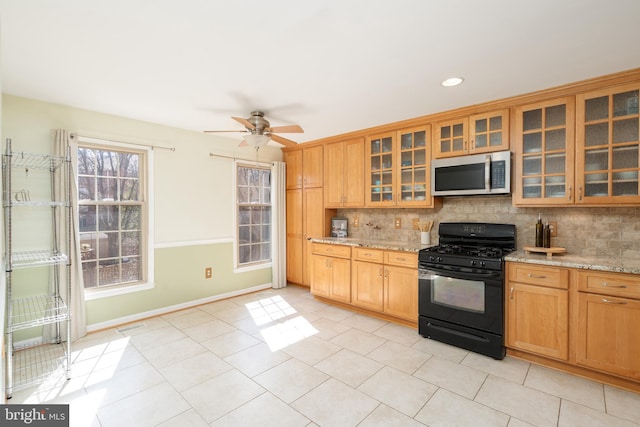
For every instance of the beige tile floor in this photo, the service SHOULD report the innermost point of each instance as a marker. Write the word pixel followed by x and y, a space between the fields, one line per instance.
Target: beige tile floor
pixel 281 358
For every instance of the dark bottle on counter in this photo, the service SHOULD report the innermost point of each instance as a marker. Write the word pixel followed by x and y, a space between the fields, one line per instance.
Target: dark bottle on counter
pixel 546 241
pixel 539 232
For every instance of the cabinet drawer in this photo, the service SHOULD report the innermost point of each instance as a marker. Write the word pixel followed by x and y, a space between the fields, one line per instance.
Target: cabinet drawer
pixel 401 259
pixel 366 254
pixel 616 284
pixel 551 277
pixel 338 251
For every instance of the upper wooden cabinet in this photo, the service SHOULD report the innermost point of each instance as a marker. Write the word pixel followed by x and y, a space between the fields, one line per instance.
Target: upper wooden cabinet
pixel 344 174
pixel 608 140
pixel 304 167
pixel 397 169
pixel 479 133
pixel 544 153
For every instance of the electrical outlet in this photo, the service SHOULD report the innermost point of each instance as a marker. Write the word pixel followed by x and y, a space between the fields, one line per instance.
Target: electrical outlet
pixel 416 223
pixel 356 221
pixel 553 227
pixel 208 273
pixel 398 223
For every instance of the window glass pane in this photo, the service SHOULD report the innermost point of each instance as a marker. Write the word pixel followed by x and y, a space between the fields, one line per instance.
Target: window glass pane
pixel 625 104
pixel 625 157
pixel 532 142
pixel 481 125
pixel 420 139
pixel 556 139
pixel 445 132
pixel 597 134
pixel 86 161
pixel 596 160
pixel 111 232
pixel 130 218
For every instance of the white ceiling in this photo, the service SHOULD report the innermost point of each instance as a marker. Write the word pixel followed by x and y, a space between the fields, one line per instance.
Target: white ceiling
pixel 331 66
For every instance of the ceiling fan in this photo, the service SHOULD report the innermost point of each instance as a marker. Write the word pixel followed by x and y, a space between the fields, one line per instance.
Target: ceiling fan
pixel 259 131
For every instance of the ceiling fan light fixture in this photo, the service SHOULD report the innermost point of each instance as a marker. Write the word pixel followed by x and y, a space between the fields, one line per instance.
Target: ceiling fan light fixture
pixel 452 81
pixel 256 140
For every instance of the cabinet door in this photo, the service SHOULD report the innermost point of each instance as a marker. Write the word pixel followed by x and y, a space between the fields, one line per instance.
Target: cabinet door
pixel 312 167
pixel 293 159
pixel 313 226
pixel 294 237
pixel 489 132
pixel 367 285
pixel 380 170
pixel 320 275
pixel 544 147
pixel 401 292
pixel 353 190
pixel 607 334
pixel 340 289
pixel 451 138
pixel 412 166
pixel 334 165
pixel 608 141
pixel 537 320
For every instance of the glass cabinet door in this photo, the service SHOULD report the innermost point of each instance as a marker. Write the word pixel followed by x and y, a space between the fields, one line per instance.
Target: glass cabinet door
pixel 489 131
pixel 413 156
pixel 451 138
pixel 608 142
pixel 545 153
pixel 380 180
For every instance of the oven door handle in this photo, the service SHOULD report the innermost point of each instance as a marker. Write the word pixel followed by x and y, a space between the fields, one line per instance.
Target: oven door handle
pixel 487 172
pixel 461 275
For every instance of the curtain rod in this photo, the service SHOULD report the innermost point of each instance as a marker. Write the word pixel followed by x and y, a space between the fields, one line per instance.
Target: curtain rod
pixel 153 147
pixel 237 158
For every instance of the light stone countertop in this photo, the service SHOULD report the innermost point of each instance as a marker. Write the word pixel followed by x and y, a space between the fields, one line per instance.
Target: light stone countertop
pixel 373 244
pixel 618 265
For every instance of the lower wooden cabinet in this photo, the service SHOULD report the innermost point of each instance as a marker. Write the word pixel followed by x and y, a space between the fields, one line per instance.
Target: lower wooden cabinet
pixel 331 272
pixel 608 333
pixel 380 281
pixel 584 321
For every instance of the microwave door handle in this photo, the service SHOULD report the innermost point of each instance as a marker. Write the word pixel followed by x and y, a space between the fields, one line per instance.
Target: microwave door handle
pixel 487 172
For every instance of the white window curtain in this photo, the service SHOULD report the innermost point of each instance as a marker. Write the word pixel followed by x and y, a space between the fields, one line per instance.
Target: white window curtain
pixel 278 225
pixel 63 144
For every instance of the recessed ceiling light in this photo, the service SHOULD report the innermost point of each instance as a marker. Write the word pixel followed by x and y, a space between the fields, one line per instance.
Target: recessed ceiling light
pixel 452 81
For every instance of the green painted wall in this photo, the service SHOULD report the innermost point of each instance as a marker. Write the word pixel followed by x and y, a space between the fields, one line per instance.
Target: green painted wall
pixel 179 278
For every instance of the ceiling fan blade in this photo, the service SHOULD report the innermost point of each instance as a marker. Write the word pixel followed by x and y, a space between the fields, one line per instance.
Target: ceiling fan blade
pixel 243 144
pixel 221 131
pixel 284 141
pixel 244 122
pixel 287 129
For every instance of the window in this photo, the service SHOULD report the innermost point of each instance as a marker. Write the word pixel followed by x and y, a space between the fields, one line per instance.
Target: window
pixel 253 196
pixel 112 215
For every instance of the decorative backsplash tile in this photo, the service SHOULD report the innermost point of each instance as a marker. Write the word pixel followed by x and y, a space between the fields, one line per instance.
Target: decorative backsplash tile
pixel 601 231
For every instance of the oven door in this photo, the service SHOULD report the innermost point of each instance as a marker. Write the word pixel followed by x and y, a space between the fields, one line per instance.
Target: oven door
pixel 472 298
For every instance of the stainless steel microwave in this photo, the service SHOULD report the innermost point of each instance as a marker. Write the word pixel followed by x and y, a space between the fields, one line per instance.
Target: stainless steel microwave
pixel 488 173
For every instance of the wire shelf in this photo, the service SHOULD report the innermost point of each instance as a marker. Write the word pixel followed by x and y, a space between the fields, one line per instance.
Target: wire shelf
pixel 20 159
pixel 37 258
pixel 34 365
pixel 37 311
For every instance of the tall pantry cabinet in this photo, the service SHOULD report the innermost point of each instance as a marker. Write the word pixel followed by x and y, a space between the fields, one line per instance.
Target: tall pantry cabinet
pixel 37 238
pixel 305 210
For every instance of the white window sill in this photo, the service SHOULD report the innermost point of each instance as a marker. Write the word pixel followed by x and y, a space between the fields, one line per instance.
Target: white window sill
pixel 91 294
pixel 252 267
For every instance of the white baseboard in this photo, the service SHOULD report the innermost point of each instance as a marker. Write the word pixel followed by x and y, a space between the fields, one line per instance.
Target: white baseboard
pixel 164 310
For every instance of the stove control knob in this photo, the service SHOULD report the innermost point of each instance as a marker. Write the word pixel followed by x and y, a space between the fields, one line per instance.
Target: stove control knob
pixel 473 262
pixel 432 258
pixel 439 259
pixel 482 263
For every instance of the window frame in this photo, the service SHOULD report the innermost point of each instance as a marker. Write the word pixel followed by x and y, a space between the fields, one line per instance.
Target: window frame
pixel 145 168
pixel 256 265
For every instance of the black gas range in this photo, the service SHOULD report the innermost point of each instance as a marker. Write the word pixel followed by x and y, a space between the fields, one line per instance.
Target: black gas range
pixel 461 286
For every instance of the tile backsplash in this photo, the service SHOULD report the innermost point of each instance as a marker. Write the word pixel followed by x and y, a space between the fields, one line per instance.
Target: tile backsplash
pixel 599 231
